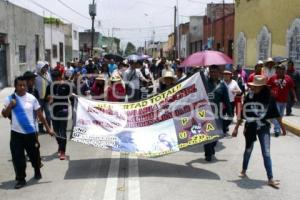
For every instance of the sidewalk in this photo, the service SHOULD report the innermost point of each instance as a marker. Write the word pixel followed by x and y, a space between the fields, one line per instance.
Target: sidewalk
pixel 292 123
pixel 3 94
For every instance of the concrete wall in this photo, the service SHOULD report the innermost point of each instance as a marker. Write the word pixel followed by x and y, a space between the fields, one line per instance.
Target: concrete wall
pixel 277 16
pixel 196 28
pixel 184 46
pixel 20 27
pixel 85 38
pixel 54 34
pixel 68 32
pixel 75 41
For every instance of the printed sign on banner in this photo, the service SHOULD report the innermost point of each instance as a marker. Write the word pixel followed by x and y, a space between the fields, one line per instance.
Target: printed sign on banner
pixel 165 123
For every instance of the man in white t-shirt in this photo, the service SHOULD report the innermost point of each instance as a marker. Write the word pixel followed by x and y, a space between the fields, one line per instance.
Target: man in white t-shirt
pixel 132 78
pixel 22 108
pixel 269 69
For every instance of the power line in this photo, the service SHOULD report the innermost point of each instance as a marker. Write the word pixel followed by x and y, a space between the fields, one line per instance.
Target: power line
pixel 78 13
pixel 149 27
pixel 41 6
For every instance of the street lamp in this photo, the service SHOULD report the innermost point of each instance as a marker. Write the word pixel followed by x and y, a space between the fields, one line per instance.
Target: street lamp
pixel 93 13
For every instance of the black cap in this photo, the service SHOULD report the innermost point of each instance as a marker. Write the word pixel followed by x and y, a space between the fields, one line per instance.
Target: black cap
pixel 29 75
pixel 55 74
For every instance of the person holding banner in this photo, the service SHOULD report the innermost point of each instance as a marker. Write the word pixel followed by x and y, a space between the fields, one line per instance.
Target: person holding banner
pixel 22 109
pixel 218 97
pixel 116 89
pixel 168 80
pixel 259 106
pixel 132 77
pixel 58 94
pixel 98 87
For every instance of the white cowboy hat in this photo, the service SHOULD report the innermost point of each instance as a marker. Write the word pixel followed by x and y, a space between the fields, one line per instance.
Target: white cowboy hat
pixel 168 74
pixel 259 80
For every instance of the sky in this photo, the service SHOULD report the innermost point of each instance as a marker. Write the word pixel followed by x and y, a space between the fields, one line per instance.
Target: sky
pixel 136 21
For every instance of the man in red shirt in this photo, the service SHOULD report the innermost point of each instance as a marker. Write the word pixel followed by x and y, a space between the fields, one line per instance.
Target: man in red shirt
pixel 59 67
pixel 258 69
pixel 281 84
pixel 116 91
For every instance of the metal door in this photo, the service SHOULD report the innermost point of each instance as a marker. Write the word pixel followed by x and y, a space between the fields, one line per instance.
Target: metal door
pixel 3 74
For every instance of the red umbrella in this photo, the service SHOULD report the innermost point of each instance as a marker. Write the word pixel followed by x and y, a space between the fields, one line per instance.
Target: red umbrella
pixel 206 58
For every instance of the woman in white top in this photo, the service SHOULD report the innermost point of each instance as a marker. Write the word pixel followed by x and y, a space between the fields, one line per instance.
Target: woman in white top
pixel 232 85
pixel 233 90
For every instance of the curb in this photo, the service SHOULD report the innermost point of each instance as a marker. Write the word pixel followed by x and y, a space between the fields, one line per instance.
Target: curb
pixel 291 127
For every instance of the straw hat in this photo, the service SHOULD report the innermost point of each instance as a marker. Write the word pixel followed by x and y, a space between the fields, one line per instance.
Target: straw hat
pixel 100 77
pixel 270 60
pixel 259 62
pixel 227 72
pixel 259 80
pixel 168 74
pixel 115 78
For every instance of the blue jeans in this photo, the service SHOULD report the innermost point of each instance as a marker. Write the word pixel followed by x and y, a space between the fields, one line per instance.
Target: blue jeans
pixel 281 107
pixel 264 139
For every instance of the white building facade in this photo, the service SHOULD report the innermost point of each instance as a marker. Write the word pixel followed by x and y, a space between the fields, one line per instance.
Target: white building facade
pixel 54 44
pixel 21 41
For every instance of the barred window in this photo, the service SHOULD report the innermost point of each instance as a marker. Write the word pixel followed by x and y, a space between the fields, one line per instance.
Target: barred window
pixel 241 49
pixel 264 44
pixel 22 54
pixel 54 50
pixel 293 39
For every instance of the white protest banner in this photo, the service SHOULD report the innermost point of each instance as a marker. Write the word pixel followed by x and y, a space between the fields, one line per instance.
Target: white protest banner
pixel 167 122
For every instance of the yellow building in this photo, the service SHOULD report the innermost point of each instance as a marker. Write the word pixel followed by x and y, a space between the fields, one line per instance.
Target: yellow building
pixel 266 28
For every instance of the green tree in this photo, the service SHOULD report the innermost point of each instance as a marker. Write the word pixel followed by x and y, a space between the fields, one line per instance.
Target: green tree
pixel 130 49
pixel 52 20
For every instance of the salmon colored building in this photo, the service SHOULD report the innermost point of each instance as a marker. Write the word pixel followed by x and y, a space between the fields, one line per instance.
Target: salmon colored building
pixel 219 34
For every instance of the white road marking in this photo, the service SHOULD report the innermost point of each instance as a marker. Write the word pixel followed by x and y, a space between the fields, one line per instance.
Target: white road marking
pixel 89 188
pixel 133 179
pixel 110 192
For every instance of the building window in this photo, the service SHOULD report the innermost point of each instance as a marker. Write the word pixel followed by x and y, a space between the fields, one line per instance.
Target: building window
pixel 48 55
pixel 293 42
pixel 22 54
pixel 37 48
pixel 218 46
pixel 54 50
pixel 61 52
pixel 75 36
pixel 264 44
pixel 241 50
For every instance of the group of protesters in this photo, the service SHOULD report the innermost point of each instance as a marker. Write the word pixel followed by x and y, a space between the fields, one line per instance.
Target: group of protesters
pixel 50 91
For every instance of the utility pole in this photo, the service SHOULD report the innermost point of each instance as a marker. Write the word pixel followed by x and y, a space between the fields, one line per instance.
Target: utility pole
pixel 93 13
pixel 212 16
pixel 111 40
pixel 175 33
pixel 178 30
pixel 223 27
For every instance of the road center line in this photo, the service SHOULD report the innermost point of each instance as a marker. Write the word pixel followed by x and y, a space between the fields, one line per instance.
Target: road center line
pixel 133 179
pixel 90 187
pixel 110 192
